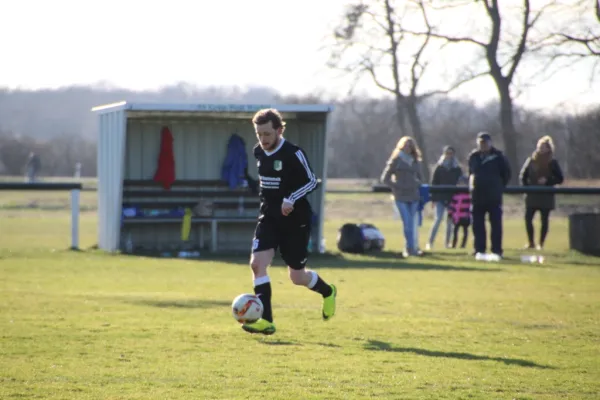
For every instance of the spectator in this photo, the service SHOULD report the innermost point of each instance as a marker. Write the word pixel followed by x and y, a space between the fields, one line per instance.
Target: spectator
pixel 447 172
pixel 459 212
pixel 402 174
pixel 489 173
pixel 32 167
pixel 540 169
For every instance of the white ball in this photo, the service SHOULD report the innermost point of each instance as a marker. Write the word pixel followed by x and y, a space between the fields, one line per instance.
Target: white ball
pixel 247 308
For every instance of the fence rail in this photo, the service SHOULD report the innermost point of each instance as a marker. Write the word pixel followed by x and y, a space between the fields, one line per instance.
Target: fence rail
pixel 74 188
pixel 40 186
pixel 507 190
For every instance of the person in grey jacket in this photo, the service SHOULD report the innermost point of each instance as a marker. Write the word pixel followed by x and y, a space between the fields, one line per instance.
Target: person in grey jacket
pixel 402 174
pixel 32 167
pixel 541 169
pixel 489 173
pixel 447 172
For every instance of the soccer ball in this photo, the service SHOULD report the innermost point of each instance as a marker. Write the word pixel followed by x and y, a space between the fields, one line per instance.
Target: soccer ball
pixel 247 308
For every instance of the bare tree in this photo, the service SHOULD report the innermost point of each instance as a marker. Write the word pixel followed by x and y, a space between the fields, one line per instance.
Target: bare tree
pixel 502 58
pixel 577 39
pixel 352 148
pixel 541 31
pixel 372 40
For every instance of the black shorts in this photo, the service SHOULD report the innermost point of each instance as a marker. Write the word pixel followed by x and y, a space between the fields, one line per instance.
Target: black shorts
pixel 290 238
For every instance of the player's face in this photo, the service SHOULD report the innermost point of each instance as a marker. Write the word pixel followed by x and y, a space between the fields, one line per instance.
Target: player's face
pixel 484 145
pixel 544 148
pixel 268 137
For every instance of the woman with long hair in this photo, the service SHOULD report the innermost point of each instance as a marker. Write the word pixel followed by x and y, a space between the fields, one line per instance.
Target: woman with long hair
pixel 402 174
pixel 540 169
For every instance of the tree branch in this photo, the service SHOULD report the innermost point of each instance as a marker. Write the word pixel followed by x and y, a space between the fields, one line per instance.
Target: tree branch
pixel 352 16
pixel 452 39
pixel 523 41
pixel 368 67
pixel 374 18
pixel 587 42
pixel 414 75
pixel 455 86
pixel 491 49
pixel 393 45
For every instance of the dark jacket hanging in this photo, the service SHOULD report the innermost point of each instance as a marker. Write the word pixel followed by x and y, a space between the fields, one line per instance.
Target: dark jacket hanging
pixel 236 162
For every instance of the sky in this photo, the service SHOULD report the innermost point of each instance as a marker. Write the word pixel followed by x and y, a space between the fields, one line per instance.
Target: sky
pixel 149 44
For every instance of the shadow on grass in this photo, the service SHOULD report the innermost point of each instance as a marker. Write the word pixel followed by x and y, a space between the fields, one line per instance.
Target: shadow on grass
pixel 380 260
pixel 335 346
pixel 278 342
pixel 376 345
pixel 551 260
pixel 575 259
pixel 180 303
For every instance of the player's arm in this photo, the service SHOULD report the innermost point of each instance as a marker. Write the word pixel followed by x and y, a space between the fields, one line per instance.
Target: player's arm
pixel 505 169
pixel 304 177
pixel 256 151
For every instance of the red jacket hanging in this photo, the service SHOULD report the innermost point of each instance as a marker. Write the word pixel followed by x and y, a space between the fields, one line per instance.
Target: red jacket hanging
pixel 165 172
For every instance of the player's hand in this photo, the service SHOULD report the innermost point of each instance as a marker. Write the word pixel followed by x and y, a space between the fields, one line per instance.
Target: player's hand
pixel 287 208
pixel 542 180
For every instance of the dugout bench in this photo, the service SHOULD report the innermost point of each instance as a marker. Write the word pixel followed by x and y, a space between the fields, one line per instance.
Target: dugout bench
pixel 210 202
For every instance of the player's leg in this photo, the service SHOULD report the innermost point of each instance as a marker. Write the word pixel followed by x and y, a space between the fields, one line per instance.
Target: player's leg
pixel 465 228
pixel 479 231
pixel 259 262
pixel 529 214
pixel 449 228
pixel 495 212
pixel 545 216
pixel 455 237
pixel 294 251
pixel 439 214
pixel 404 209
pixel 263 250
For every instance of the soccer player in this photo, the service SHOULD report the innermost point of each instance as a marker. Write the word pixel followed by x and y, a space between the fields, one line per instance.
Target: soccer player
pixel 285 217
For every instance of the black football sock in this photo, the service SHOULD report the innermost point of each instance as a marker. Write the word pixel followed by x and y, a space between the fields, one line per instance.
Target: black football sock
pixel 319 285
pixel 262 288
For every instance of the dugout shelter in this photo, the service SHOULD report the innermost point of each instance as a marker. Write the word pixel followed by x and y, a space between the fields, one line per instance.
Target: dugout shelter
pixel 162 187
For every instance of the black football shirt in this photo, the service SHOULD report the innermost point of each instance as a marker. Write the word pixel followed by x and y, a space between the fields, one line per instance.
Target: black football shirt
pixel 285 173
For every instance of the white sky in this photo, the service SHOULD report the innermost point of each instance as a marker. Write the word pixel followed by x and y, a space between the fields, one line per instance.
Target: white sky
pixel 148 44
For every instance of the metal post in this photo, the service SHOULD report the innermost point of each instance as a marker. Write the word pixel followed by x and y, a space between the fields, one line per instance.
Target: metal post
pixel 75 219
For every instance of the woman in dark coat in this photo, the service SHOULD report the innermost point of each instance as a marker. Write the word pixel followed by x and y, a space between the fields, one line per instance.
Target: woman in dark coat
pixel 447 172
pixel 540 169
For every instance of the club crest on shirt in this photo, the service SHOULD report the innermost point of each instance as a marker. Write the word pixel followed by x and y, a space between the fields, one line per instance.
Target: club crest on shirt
pixel 277 165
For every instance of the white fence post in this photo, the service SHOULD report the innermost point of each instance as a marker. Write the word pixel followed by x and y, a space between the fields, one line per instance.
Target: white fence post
pixel 75 219
pixel 77 170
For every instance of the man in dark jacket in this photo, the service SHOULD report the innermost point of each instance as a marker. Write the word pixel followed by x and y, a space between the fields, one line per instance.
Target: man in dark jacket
pixel 489 173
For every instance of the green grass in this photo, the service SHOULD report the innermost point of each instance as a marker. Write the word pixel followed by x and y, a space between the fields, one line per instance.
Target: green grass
pixel 87 325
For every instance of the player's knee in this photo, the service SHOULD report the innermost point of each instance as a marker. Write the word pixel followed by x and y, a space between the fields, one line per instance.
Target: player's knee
pixel 299 276
pixel 257 266
pixel 259 263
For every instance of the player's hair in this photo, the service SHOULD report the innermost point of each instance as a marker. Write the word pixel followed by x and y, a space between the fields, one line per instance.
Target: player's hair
pixel 416 152
pixel 268 114
pixel 546 140
pixel 541 162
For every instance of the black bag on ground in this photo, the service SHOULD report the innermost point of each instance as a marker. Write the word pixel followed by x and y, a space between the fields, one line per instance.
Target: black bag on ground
pixel 353 238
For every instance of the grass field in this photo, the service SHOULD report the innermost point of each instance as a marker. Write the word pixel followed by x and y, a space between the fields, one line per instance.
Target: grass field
pixel 87 325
